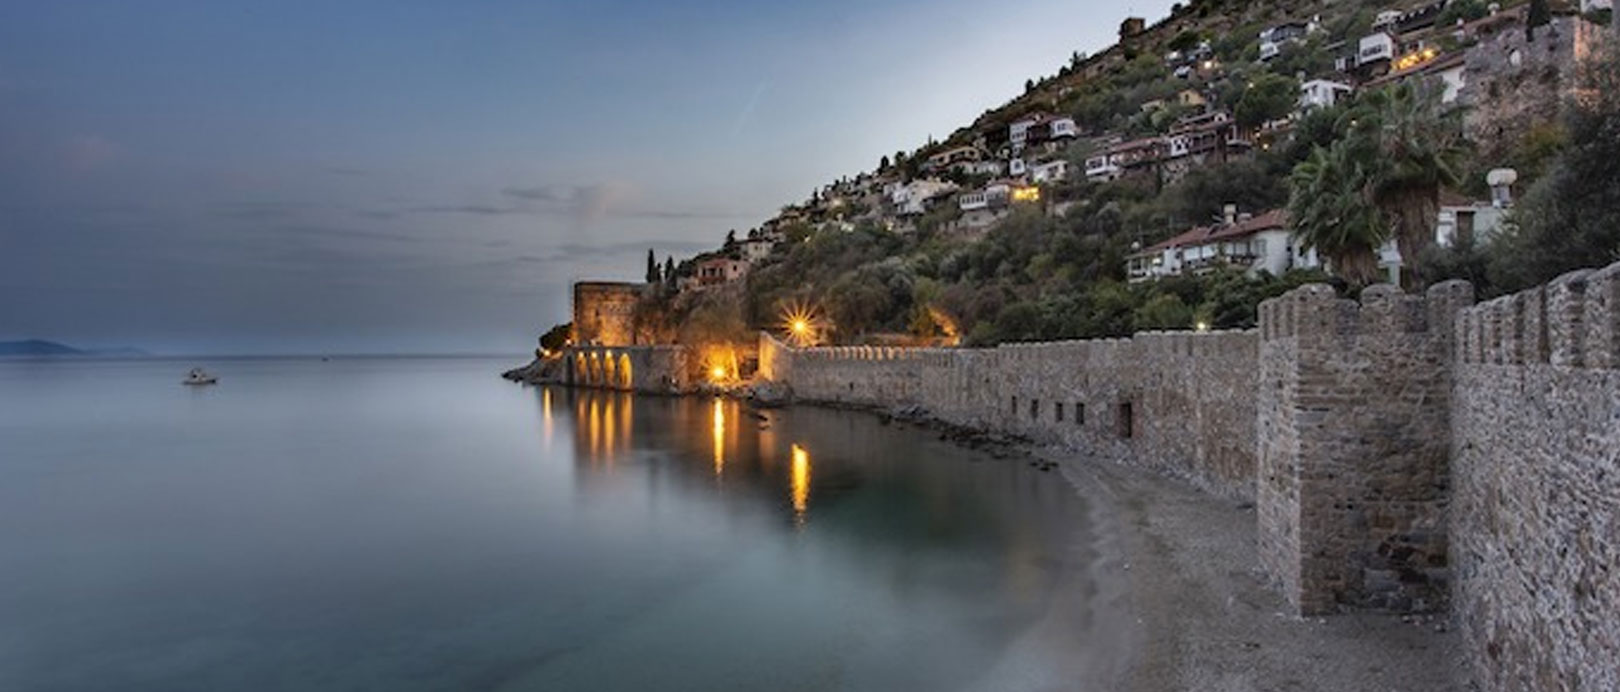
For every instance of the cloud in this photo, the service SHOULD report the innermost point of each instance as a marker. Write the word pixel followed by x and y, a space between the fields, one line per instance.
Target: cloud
pixel 574 252
pixel 84 153
pixel 584 203
pixel 476 209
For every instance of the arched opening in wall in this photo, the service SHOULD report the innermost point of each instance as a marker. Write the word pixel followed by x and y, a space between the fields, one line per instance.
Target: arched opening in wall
pixel 625 379
pixel 610 370
pixel 1127 420
pixel 581 369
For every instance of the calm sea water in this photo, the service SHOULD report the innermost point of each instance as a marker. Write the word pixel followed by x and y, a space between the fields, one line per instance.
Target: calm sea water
pixel 405 524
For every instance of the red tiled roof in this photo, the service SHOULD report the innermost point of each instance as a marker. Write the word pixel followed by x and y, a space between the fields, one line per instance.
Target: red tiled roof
pixel 1275 218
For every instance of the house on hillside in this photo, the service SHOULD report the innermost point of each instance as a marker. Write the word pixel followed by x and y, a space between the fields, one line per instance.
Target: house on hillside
pixel 1197 140
pixel 1273 38
pixel 995 195
pixel 1049 172
pixel 1322 93
pixel 755 248
pixel 914 198
pixel 717 271
pixel 1040 128
pixel 947 159
pixel 1125 158
pixel 1249 243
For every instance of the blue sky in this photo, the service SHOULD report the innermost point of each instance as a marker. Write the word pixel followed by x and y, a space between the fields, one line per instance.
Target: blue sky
pixel 303 177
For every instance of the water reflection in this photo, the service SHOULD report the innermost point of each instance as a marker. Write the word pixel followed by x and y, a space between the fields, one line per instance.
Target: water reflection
pixel 719 416
pixel 801 482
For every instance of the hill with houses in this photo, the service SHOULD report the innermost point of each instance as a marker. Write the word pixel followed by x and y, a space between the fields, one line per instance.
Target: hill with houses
pixel 1146 186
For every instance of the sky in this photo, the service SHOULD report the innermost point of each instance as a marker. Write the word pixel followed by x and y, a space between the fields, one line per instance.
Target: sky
pixel 224 177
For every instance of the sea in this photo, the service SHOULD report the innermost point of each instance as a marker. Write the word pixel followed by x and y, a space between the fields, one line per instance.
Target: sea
pixel 421 524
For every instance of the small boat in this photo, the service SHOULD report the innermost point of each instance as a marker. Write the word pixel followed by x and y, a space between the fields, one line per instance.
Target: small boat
pixel 199 376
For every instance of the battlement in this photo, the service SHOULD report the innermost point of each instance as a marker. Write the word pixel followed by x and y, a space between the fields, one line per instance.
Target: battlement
pixel 1316 311
pixel 1574 321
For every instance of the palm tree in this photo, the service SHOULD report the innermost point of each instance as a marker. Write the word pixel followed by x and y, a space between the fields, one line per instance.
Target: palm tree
pixel 1330 207
pixel 1410 149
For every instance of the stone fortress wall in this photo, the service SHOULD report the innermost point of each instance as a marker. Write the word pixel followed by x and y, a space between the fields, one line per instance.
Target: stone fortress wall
pixel 643 369
pixel 1180 403
pixel 1535 485
pixel 1405 453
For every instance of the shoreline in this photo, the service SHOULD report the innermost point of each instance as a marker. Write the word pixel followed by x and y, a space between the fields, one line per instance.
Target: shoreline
pixel 1204 617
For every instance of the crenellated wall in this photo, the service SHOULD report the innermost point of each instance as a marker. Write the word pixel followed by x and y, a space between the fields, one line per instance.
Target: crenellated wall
pixel 1181 403
pixel 1535 516
pixel 1354 431
pixel 1405 452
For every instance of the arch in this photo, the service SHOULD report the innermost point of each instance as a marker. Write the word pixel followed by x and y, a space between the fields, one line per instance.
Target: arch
pixel 610 370
pixel 582 369
pixel 626 381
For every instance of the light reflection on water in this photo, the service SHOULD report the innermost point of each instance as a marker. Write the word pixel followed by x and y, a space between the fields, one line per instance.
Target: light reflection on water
pixel 423 525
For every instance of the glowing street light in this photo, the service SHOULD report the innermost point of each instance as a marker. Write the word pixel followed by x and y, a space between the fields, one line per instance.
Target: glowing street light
pixel 801 325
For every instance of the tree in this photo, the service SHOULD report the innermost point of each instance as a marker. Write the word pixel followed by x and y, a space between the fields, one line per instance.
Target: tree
pixel 1331 209
pixel 1268 97
pixel 1414 151
pixel 1539 14
pixel 883 164
pixel 669 271
pixel 1184 41
pixel 731 238
pixel 556 338
pixel 653 274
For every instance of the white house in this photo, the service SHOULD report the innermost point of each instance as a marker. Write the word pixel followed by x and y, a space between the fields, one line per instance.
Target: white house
pixel 1272 39
pixel 1321 93
pixel 1049 172
pixel 983 167
pixel 1375 48
pixel 755 249
pixel 994 195
pixel 911 199
pixel 1017 167
pixel 1252 244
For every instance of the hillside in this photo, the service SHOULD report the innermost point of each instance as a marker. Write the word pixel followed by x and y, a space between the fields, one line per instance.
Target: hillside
pixel 1149 186
pixel 39 348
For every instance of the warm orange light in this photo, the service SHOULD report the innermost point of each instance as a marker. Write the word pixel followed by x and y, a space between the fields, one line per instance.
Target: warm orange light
pixel 801 324
pixel 718 373
pixel 1026 194
pixel 800 482
pixel 719 415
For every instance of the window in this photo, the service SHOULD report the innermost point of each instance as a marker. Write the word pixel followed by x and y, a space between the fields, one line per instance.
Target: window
pixel 1034 409
pixel 1079 413
pixel 1015 406
pixel 1127 420
pixel 1059 412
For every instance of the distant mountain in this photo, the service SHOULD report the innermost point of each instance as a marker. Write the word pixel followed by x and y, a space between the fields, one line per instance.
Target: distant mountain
pixel 40 347
pixel 37 347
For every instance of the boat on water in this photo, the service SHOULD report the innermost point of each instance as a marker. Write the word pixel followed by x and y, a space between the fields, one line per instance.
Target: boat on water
pixel 199 376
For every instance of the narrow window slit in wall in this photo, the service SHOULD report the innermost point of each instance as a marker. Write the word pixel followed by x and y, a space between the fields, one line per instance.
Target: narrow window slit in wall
pixel 1015 406
pixel 1059 412
pixel 1035 409
pixel 1127 420
pixel 1079 413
